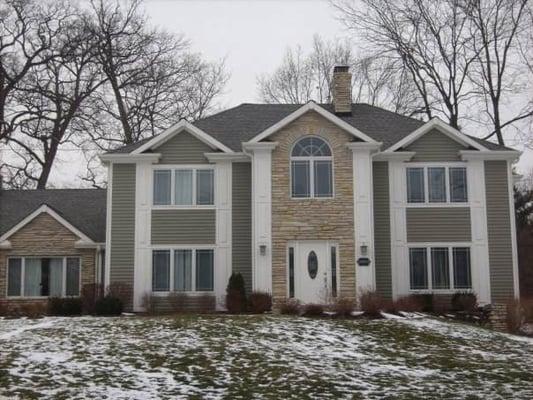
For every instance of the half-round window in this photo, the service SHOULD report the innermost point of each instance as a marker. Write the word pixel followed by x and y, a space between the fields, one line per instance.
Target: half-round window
pixel 311 168
pixel 312 264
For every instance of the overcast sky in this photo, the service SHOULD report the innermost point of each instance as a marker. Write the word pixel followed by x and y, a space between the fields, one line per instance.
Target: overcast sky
pixel 251 35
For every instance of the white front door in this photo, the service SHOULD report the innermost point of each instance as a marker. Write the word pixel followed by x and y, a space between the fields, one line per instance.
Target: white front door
pixel 313 272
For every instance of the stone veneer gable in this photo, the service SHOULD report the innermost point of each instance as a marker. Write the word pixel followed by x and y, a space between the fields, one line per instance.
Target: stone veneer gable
pixel 312 219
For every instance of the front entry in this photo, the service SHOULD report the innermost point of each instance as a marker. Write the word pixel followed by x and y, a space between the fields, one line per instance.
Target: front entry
pixel 314 270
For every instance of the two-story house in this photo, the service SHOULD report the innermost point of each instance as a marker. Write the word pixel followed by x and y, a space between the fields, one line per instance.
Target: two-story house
pixel 311 201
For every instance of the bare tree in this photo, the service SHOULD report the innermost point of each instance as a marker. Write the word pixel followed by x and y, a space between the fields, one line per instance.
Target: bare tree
pixel 376 80
pixel 429 38
pixel 49 100
pixel 28 31
pixel 291 83
pixel 496 26
pixel 152 78
pixel 461 55
pixel 112 80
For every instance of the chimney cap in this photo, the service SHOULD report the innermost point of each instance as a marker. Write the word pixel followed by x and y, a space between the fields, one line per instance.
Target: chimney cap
pixel 341 68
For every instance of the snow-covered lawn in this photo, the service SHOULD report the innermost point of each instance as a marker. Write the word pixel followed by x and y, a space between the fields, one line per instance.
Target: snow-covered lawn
pixel 259 357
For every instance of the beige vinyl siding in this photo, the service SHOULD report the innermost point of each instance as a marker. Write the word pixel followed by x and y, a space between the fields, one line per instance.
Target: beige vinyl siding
pixel 435 146
pixel 192 226
pixel 242 221
pixel 499 231
pixel 183 148
pixel 382 236
pixel 123 225
pixel 438 224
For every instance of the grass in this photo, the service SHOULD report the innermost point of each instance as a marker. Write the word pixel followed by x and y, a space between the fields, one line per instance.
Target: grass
pixel 240 357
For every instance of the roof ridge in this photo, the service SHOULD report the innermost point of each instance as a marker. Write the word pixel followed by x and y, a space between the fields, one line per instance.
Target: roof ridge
pixel 391 112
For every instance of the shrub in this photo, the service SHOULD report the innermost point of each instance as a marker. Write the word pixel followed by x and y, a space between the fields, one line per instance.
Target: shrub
pixel 343 306
pixel 514 315
pixel 464 301
pixel 148 303
pixel 371 303
pixel 260 302
pixel 108 305
pixel 30 310
pixel 425 301
pixel 121 291
pixel 410 303
pixel 64 306
pixel 313 310
pixel 527 305
pixel 289 307
pixel 177 301
pixel 90 293
pixel 236 294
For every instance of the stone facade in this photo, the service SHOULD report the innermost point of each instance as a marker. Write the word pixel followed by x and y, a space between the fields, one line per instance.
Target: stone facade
pixel 498 317
pixel 312 219
pixel 44 237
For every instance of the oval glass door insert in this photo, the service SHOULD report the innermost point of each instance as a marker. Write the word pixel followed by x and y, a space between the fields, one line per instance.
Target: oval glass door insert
pixel 312 264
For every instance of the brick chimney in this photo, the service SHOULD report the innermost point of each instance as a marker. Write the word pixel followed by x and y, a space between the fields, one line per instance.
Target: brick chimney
pixel 342 89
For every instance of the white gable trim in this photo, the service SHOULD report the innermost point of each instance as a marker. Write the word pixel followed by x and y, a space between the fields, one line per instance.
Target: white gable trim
pixel 446 129
pixel 180 127
pixel 312 106
pixel 84 239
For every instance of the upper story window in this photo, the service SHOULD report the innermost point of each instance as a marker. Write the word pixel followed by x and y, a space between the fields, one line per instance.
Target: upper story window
pixel 311 169
pixel 184 187
pixel 436 184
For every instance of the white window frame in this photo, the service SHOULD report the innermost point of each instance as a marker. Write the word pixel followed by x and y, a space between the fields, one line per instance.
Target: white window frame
pixel 172 168
pixel 23 272
pixel 311 160
pixel 172 249
pixel 450 247
pixel 446 166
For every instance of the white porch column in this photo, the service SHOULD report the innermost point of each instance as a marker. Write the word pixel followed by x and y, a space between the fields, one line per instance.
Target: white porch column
pixel 261 214
pixel 365 275
pixel 478 217
pixel 142 274
pixel 223 185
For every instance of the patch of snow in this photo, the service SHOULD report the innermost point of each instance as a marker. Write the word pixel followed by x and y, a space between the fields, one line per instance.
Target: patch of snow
pixel 47 323
pixel 357 313
pixel 390 316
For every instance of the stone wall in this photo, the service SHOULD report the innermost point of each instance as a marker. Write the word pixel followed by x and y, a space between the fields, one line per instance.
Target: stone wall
pixel 498 317
pixel 312 219
pixel 43 237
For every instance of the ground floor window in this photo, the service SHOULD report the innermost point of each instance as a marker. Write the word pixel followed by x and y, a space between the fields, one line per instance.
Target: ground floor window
pixel 43 277
pixel 439 268
pixel 183 270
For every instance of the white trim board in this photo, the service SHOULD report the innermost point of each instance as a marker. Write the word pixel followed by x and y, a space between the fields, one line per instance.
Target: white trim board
pixel 84 239
pixel 436 123
pixel 312 106
pixel 180 127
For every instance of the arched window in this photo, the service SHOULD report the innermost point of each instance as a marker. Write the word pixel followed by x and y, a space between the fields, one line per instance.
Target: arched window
pixel 311 168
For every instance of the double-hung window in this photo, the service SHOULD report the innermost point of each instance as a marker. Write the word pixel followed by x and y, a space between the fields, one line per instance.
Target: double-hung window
pixel 439 268
pixel 436 184
pixel 184 187
pixel 183 270
pixel 43 277
pixel 311 169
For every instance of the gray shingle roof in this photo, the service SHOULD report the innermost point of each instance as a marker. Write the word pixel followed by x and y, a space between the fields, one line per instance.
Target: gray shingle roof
pixel 240 124
pixel 83 208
